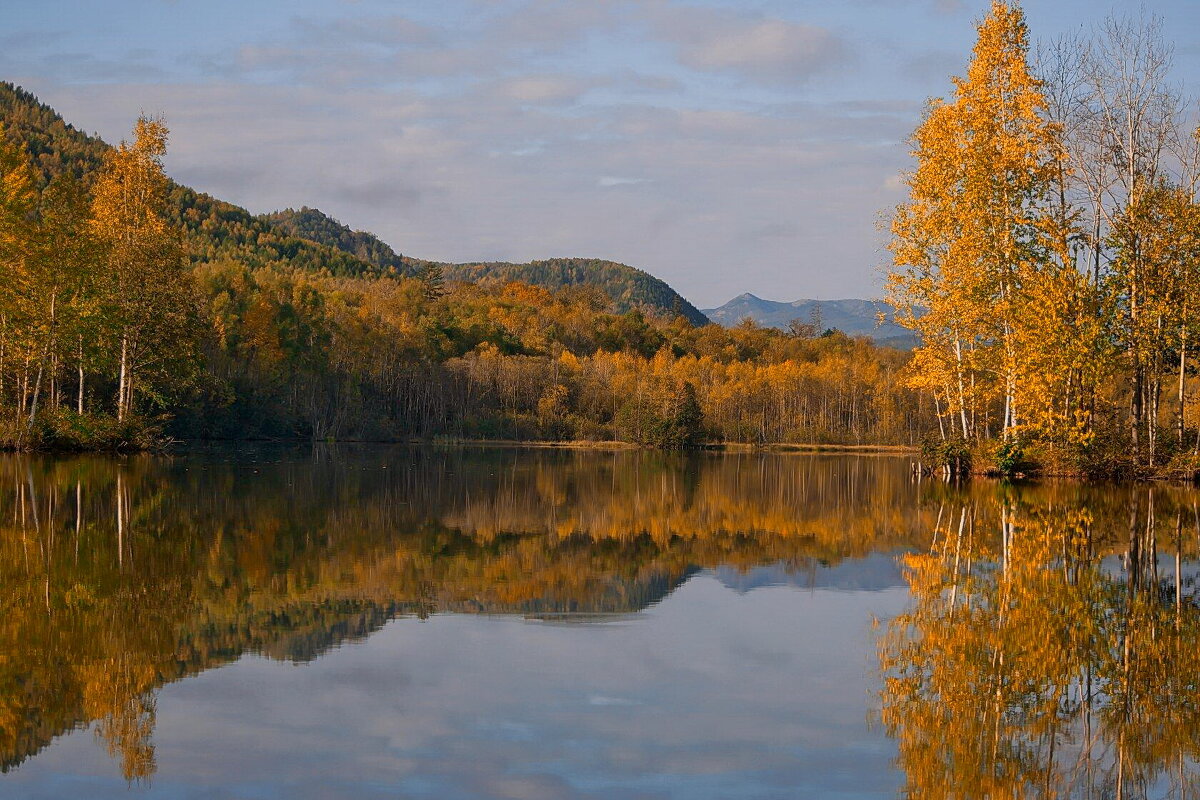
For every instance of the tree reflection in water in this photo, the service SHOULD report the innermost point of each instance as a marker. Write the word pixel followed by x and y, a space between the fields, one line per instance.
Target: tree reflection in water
pixel 1051 647
pixel 118 576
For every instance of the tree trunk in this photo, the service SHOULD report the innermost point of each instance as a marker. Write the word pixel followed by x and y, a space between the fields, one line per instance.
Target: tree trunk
pixel 121 381
pixel 81 380
pixel 1182 398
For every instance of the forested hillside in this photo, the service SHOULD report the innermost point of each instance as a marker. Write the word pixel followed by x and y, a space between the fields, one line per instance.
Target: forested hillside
pixel 213 230
pixel 138 308
pixel 314 226
pixel 627 288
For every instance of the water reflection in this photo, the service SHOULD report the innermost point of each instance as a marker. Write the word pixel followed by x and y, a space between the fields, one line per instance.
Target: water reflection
pixel 119 576
pixel 1051 647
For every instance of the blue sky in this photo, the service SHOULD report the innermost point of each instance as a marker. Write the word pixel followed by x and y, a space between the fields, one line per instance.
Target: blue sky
pixel 723 146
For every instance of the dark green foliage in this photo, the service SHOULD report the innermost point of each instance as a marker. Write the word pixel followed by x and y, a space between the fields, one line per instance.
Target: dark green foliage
pixel 1012 458
pixel 219 231
pixel 682 424
pixel 624 288
pixel 952 454
pixel 55 146
pixel 431 275
pixel 314 226
pixel 63 430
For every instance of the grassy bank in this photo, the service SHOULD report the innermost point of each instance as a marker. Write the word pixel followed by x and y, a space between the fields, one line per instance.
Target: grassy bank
pixel 65 431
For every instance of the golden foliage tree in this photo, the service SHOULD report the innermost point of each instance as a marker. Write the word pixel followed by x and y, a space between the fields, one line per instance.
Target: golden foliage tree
pixel 151 287
pixel 977 239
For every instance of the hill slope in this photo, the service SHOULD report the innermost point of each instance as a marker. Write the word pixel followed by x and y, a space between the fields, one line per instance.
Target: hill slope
pixel 627 287
pixel 853 316
pixel 214 229
pixel 307 239
pixel 313 225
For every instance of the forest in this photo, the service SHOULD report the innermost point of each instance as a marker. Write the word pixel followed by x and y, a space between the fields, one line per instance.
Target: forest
pixel 140 311
pixel 1048 253
pixel 1047 259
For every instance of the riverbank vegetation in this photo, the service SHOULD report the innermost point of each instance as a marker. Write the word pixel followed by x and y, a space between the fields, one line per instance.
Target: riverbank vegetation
pixel 139 311
pixel 1049 255
pixel 1047 258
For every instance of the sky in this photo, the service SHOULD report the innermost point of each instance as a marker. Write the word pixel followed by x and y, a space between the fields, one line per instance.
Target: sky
pixel 724 146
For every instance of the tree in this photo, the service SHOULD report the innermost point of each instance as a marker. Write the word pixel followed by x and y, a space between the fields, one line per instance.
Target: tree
pixel 975 232
pixel 19 334
pixel 1121 121
pixel 150 287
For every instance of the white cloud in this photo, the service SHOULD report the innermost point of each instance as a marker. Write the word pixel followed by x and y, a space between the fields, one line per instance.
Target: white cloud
pixel 608 181
pixel 755 48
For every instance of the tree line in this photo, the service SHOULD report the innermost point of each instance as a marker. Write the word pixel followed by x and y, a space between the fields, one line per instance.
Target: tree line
pixel 97 309
pixel 1049 252
pixel 139 311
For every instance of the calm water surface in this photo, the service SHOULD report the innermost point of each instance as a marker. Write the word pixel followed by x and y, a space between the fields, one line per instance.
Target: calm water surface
pixel 394 622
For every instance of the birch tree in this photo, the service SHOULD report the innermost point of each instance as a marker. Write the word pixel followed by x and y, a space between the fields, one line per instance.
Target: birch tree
pixel 975 230
pixel 151 289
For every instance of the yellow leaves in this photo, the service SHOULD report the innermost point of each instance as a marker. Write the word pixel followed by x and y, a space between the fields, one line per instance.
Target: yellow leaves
pixel 975 247
pixel 129 195
pixel 18 199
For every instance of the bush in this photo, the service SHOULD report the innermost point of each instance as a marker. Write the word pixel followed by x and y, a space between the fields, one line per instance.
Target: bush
pixel 65 430
pixel 942 453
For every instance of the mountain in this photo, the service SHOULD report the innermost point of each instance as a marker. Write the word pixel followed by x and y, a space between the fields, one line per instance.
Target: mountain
pixel 308 239
pixel 315 226
pixel 852 316
pixel 627 287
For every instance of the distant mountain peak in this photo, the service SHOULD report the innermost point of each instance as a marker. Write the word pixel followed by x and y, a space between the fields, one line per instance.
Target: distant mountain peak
pixel 854 316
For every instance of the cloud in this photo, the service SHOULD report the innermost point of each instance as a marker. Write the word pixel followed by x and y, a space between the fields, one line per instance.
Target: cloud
pixel 552 25
pixel 391 31
pixel 676 138
pixel 608 181
pixel 761 49
pixel 541 89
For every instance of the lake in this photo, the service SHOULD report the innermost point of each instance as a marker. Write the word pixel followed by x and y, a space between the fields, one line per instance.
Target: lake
pixel 258 622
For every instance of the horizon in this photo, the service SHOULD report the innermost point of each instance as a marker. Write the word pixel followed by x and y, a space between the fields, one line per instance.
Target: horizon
pixel 723 147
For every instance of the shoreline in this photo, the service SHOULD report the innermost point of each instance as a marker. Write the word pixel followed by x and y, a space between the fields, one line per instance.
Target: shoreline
pixel 533 444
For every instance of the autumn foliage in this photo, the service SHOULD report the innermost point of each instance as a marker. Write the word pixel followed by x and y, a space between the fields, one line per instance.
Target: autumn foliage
pixel 1046 254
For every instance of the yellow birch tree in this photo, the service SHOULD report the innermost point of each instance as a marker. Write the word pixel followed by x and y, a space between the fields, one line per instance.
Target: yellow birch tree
pixel 151 288
pixel 973 232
